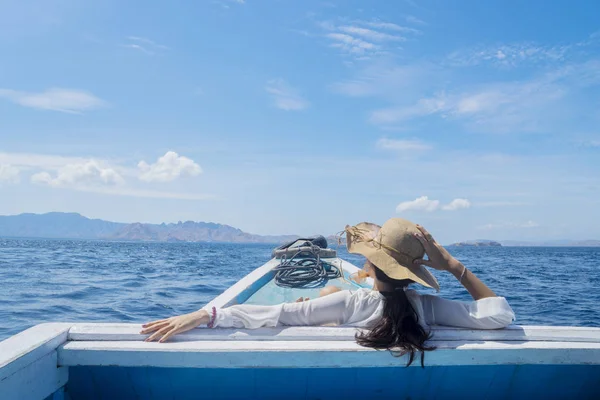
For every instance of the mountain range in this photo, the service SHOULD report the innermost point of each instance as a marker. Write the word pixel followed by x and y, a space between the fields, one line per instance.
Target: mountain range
pixel 76 226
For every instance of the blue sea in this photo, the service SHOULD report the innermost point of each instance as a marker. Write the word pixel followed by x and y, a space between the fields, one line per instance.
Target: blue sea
pixel 75 280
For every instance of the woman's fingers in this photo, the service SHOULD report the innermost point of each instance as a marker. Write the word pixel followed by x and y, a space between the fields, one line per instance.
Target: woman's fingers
pixel 169 334
pixel 427 244
pixel 149 324
pixel 421 261
pixel 154 328
pixel 159 333
pixel 426 234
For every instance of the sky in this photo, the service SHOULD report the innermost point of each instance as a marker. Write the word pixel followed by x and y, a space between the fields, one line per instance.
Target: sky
pixel 478 120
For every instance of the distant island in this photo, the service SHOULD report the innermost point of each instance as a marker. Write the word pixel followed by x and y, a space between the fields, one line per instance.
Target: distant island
pixel 60 225
pixel 477 243
pixel 76 226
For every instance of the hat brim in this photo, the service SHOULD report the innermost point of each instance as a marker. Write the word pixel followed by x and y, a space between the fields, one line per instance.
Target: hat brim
pixel 388 264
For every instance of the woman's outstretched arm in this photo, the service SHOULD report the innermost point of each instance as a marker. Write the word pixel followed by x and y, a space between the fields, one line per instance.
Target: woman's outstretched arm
pixel 337 308
pixel 440 259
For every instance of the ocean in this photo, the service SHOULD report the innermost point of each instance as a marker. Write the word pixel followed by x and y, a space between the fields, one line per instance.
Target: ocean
pixel 45 280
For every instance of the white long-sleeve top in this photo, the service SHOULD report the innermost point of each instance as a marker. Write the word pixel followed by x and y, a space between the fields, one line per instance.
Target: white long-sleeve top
pixel 362 307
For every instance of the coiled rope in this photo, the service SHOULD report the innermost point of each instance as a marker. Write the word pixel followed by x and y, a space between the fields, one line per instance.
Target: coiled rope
pixel 305 269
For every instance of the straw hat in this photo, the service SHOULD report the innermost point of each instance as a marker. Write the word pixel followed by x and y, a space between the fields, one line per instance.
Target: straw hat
pixel 392 248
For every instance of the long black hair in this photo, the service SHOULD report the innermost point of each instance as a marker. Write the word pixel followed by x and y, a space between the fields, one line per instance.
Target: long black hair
pixel 398 330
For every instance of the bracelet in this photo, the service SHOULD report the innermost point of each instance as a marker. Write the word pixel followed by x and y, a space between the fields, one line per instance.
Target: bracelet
pixel 213 318
pixel 462 274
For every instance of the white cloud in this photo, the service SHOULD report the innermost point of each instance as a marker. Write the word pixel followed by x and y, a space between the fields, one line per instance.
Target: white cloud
pixel 370 34
pixel 9 173
pixel 402 145
pixel 89 173
pixel 423 203
pixel 284 96
pixel 55 99
pixel 419 204
pixel 168 168
pixel 457 204
pixel 99 176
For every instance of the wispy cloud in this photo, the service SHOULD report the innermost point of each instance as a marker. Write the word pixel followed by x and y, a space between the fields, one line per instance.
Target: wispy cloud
pixel 9 173
pixel 350 44
pixel 364 39
pixel 370 34
pixel 402 145
pixel 389 26
pixel 56 99
pixel 284 96
pixel 139 48
pixel 508 55
pixel 423 203
pixel 144 45
pixel 518 106
pixel 168 168
pixel 522 53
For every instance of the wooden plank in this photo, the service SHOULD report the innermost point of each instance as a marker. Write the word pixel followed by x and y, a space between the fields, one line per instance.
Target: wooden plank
pixel 36 380
pixel 130 332
pixel 306 354
pixel 24 348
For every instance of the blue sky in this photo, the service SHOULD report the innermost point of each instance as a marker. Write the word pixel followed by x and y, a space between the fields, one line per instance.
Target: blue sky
pixel 475 119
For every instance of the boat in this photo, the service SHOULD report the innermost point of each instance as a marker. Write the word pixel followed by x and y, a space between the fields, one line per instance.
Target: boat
pixel 58 361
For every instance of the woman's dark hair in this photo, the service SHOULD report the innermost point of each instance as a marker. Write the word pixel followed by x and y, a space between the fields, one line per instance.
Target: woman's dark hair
pixel 398 330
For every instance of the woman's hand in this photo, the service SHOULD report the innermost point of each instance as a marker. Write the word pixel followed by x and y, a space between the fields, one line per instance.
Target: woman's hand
pixel 165 328
pixel 439 258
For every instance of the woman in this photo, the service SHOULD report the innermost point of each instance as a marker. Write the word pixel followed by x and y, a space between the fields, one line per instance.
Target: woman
pixel 395 318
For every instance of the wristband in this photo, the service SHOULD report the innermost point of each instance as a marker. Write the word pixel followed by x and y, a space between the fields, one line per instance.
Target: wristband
pixel 213 318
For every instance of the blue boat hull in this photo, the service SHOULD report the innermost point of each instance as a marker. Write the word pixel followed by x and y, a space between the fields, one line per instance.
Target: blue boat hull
pixel 453 382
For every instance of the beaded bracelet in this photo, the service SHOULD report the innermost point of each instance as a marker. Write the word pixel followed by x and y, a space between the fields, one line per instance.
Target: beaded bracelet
pixel 213 318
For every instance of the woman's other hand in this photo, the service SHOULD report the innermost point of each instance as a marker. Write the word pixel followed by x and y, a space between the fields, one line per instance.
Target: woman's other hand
pixel 165 328
pixel 439 258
